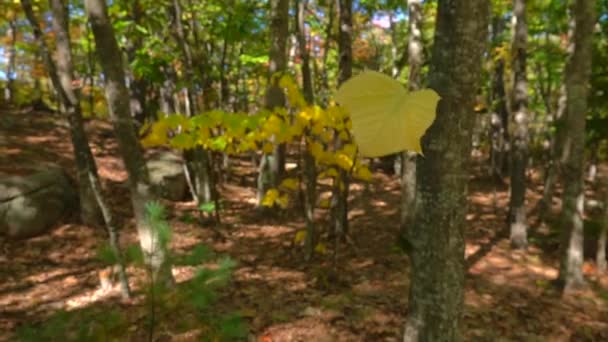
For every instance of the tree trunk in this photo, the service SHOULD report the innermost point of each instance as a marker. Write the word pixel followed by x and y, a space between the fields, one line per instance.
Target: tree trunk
pixel 500 116
pixel 600 257
pixel 92 202
pixel 310 172
pixel 578 72
pixel 117 96
pixel 198 160
pixel 324 91
pixel 345 70
pixel 519 111
pixel 273 166
pixel 408 159
pixel 437 235
pixel 61 74
pixel 555 166
pixel 138 85
pixel 11 58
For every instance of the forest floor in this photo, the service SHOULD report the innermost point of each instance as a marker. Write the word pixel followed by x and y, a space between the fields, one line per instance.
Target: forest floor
pixel 509 296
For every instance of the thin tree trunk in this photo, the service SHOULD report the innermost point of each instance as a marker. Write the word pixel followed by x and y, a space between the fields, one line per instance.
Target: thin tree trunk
pixel 11 58
pixel 138 85
pixel 324 91
pixel 272 168
pixel 500 115
pixel 117 96
pixel 437 235
pixel 91 71
pixel 61 74
pixel 345 70
pixel 578 73
pixel 555 166
pixel 310 172
pixel 519 146
pixel 198 160
pixel 408 159
pixel 600 257
pixel 93 206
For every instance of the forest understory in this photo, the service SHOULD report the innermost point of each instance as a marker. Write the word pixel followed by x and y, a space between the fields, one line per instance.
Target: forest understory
pixel 361 297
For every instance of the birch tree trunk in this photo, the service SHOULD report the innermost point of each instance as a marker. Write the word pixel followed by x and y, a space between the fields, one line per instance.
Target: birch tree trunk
pixel 437 236
pixel 272 167
pixel 93 205
pixel 117 95
pixel 578 73
pixel 520 138
pixel 408 159
pixel 61 75
pixel 11 57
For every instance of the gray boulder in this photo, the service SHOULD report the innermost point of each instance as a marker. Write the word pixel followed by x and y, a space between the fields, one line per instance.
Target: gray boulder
pixel 30 205
pixel 167 176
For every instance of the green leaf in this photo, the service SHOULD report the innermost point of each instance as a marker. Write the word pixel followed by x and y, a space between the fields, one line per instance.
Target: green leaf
pixel 219 143
pixel 208 207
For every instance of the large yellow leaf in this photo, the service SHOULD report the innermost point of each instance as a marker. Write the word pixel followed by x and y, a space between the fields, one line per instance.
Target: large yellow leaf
pixel 386 118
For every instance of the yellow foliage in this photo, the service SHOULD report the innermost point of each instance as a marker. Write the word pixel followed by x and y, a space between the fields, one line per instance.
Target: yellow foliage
pixel 325 203
pixel 270 198
pixel 289 184
pixel 327 136
pixel 300 237
pixel 363 173
pixel 268 148
pixel 283 201
pixel 273 125
pixel 344 161
pixel 273 197
pixel 321 248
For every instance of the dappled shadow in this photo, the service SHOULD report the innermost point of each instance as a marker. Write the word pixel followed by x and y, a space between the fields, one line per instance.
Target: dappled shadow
pixel 282 297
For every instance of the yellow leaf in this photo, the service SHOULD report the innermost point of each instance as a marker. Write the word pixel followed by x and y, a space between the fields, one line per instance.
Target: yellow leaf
pixel 344 136
pixel 270 198
pixel 331 172
pixel 385 118
pixel 321 248
pixel 273 124
pixel 316 149
pixel 283 201
pixel 350 150
pixel 289 184
pixel 317 129
pixel 300 237
pixel 268 148
pixel 364 173
pixel 344 161
pixel 325 203
pixel 327 136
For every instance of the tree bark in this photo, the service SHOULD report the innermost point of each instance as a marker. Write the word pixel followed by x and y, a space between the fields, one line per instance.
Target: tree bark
pixel 197 159
pixel 272 168
pixel 138 85
pixel 519 112
pixel 61 75
pixel 345 71
pixel 309 169
pixel 408 159
pixel 500 115
pixel 437 235
pixel 578 73
pixel 92 202
pixel 11 58
pixel 600 257
pixel 117 96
